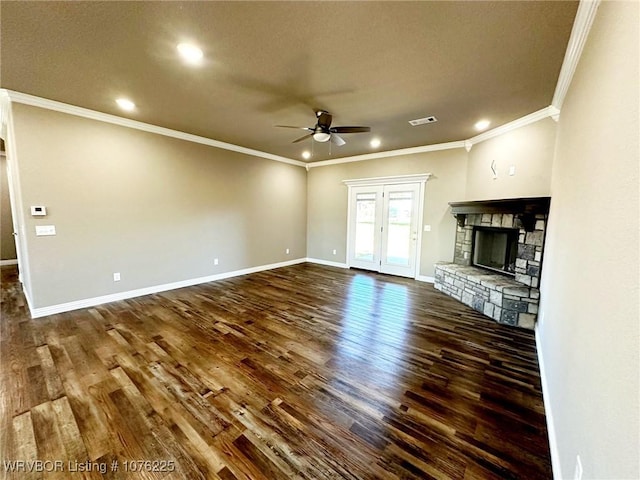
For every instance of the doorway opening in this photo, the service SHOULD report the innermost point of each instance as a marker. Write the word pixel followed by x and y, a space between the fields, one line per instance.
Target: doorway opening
pixel 385 223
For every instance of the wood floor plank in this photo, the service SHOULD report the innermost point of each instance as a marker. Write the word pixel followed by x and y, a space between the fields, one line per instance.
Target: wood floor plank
pixel 52 380
pixel 91 419
pixel 48 438
pixel 69 432
pixel 25 447
pixel 303 372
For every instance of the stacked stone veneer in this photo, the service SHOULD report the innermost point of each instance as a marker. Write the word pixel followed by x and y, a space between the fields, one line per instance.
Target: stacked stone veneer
pixel 508 300
pixel 530 244
pixel 495 295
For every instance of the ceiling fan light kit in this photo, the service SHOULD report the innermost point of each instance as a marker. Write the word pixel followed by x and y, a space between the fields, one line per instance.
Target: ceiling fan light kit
pixel 323 131
pixel 321 136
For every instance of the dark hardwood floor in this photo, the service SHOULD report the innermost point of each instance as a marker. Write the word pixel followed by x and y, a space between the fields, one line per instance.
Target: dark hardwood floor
pixel 305 372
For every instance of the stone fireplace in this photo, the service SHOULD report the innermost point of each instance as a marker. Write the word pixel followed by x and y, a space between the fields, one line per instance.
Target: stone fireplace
pixel 497 262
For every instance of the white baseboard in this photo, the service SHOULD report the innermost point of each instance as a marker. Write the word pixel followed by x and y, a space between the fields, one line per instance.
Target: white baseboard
pixel 13 261
pixel 327 263
pixel 114 297
pixel 424 278
pixel 420 278
pixel 551 430
pixel 28 299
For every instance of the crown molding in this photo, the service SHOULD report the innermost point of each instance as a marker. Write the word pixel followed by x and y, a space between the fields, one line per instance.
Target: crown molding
pixel 391 153
pixel 541 114
pixel 7 96
pixel 468 145
pixel 581 25
pixel 34 101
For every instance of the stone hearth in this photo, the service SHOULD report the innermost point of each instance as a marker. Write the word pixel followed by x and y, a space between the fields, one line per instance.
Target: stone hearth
pixel 497 296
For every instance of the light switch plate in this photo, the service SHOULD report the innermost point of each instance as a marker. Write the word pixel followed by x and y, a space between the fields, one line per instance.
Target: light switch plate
pixel 45 230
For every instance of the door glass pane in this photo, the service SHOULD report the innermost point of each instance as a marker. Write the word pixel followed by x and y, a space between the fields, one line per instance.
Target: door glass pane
pixel 365 223
pixel 399 228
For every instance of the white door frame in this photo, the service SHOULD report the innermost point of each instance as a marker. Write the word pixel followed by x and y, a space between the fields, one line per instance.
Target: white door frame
pixel 15 195
pixel 420 178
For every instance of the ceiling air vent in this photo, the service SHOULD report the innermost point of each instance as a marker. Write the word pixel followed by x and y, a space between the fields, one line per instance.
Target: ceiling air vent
pixel 422 121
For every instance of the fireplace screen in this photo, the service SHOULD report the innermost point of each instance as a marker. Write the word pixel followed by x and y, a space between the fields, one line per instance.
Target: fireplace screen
pixel 495 249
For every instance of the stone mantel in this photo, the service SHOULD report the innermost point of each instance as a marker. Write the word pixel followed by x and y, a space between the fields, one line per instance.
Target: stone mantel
pixel 524 209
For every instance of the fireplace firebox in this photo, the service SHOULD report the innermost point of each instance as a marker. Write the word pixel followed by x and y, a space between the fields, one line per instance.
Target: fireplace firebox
pixel 495 249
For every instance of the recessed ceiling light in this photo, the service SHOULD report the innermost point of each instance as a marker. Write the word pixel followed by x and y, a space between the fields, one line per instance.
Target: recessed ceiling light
pixel 375 142
pixel 126 104
pixel 190 53
pixel 482 125
pixel 306 154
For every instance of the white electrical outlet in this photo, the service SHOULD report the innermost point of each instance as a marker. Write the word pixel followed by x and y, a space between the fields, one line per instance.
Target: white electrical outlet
pixel 512 170
pixel 335 252
pixel 215 261
pixel 577 474
pixel 287 251
pixel 427 228
pixel 116 277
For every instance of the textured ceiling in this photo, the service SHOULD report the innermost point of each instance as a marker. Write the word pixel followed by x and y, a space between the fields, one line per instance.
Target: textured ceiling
pixel 378 64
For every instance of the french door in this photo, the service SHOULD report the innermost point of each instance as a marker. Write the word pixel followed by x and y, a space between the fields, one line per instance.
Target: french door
pixel 384 227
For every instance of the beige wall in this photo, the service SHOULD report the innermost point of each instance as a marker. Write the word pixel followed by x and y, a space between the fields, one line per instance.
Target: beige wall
pixel 327 199
pixel 457 175
pixel 529 149
pixel 589 327
pixel 156 209
pixel 7 245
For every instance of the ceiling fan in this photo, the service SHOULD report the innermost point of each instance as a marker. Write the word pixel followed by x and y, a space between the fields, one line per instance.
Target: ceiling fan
pixel 323 131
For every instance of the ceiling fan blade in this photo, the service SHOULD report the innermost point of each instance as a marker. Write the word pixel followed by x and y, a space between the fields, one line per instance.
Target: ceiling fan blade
pixel 350 129
pixel 324 119
pixel 337 139
pixel 290 126
pixel 303 138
